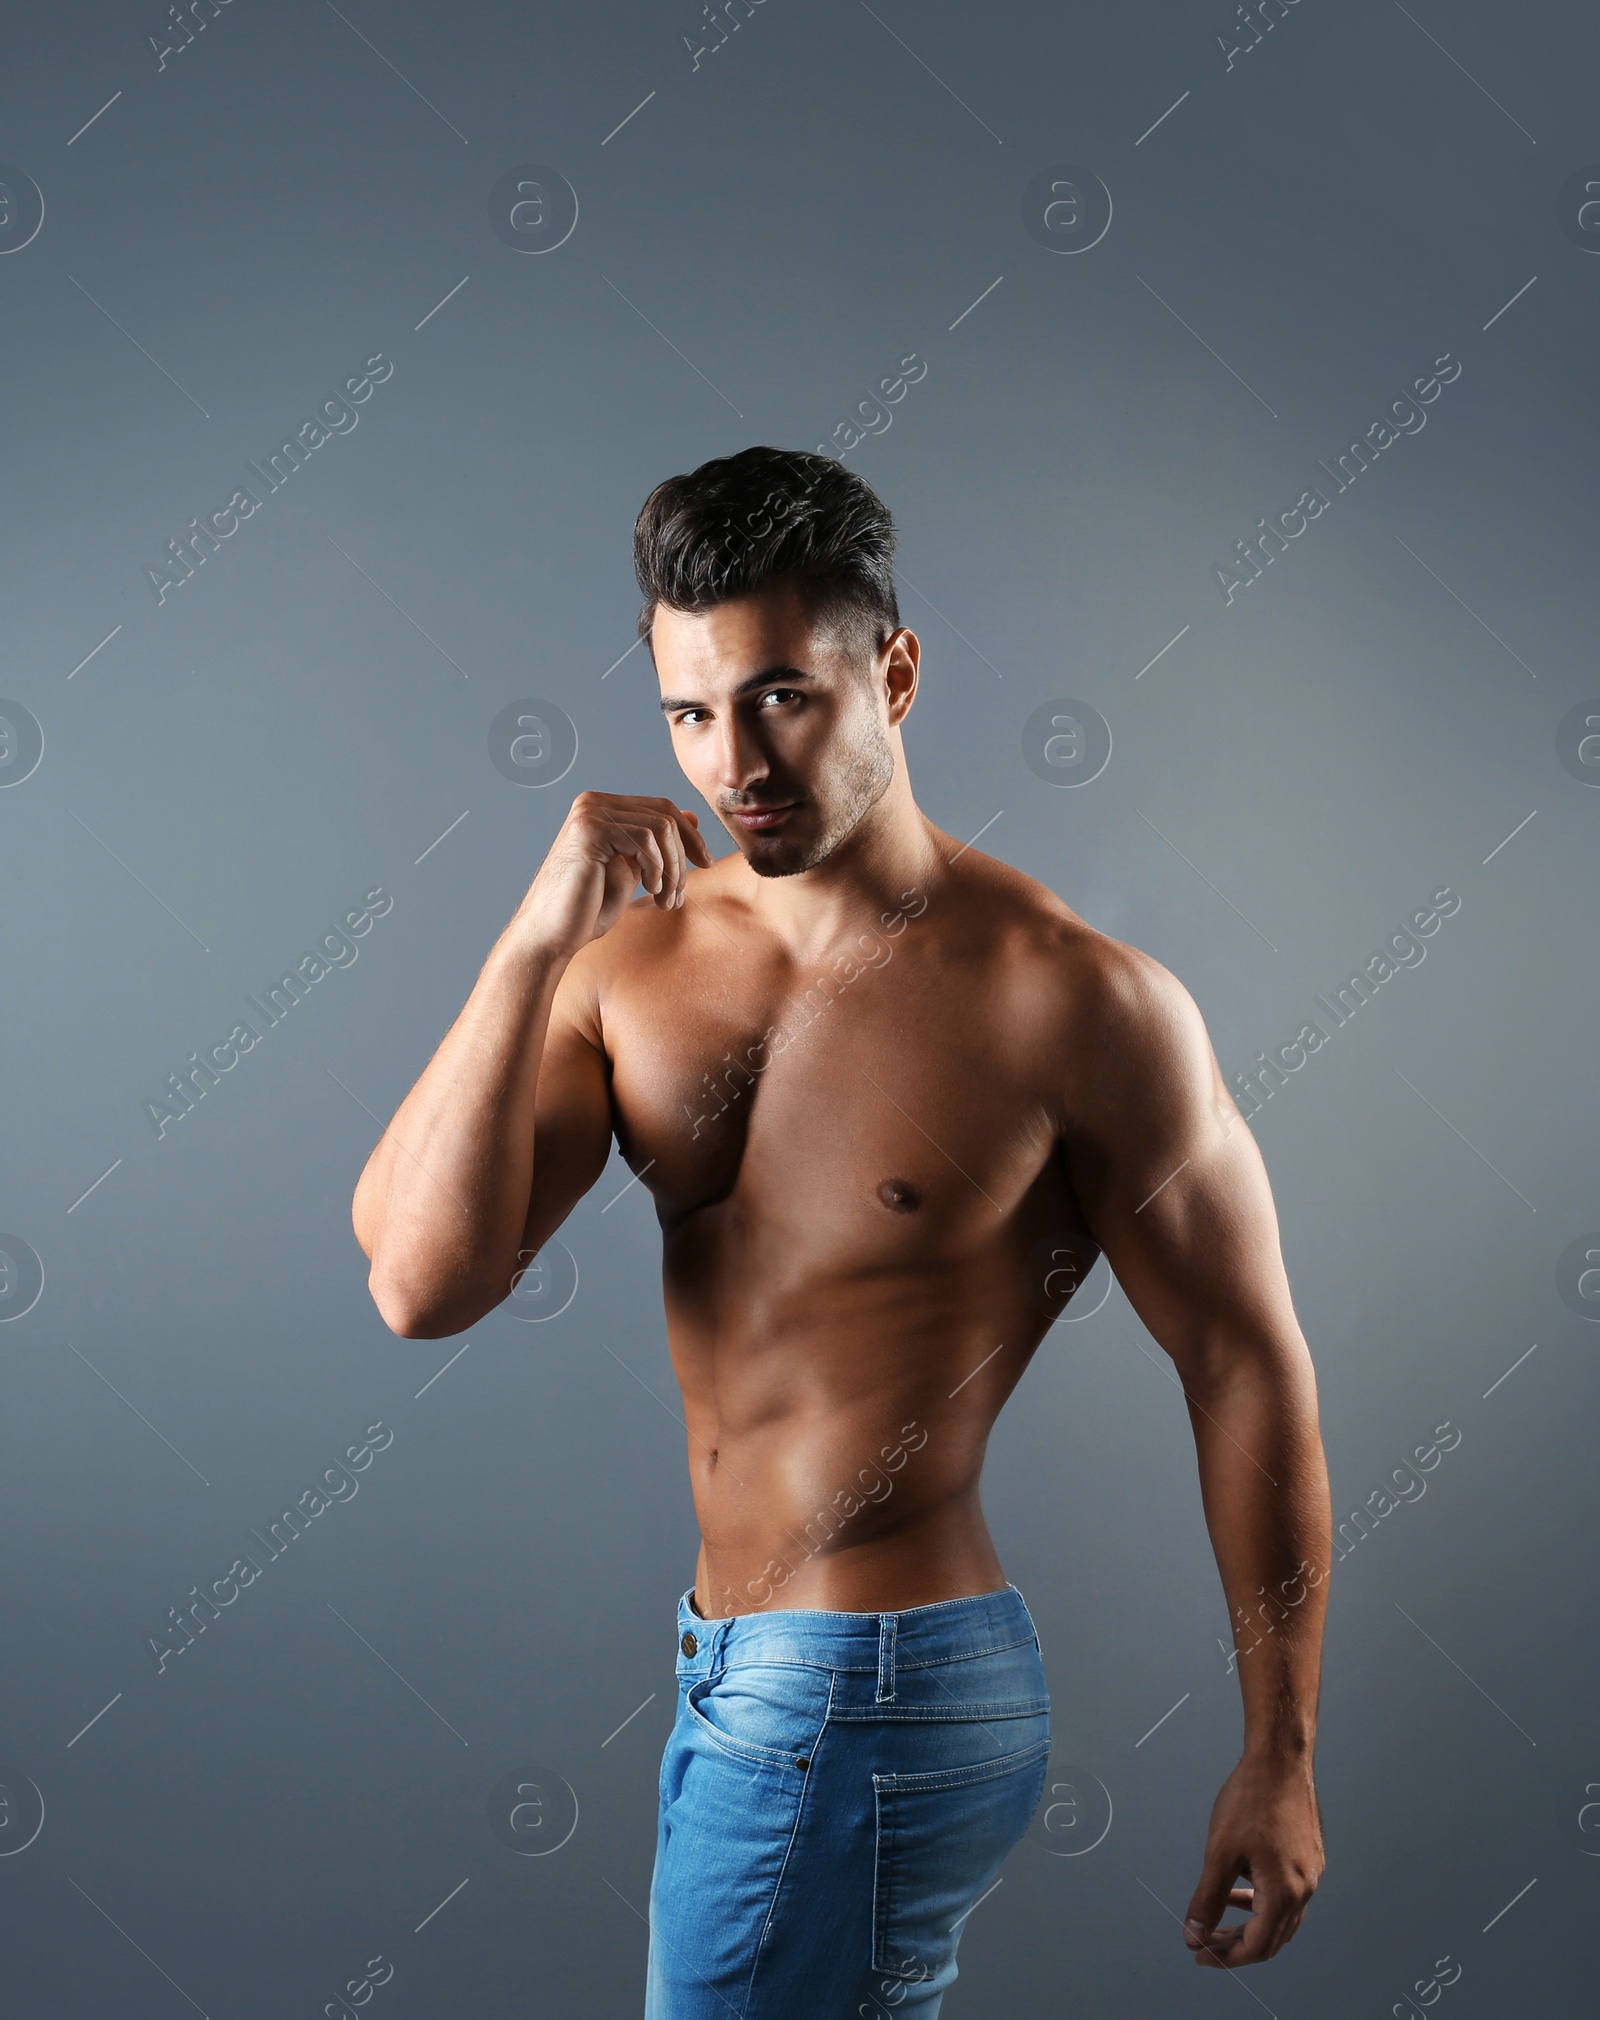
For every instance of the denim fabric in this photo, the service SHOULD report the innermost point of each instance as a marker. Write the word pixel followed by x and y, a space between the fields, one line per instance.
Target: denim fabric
pixel 837 1792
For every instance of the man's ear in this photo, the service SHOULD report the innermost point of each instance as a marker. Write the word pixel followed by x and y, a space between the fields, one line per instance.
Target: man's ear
pixel 900 661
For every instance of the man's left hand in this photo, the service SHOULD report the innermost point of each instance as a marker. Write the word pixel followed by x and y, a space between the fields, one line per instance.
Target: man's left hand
pixel 1265 1824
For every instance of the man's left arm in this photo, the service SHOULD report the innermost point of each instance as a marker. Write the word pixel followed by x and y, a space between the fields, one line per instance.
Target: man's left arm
pixel 1175 1192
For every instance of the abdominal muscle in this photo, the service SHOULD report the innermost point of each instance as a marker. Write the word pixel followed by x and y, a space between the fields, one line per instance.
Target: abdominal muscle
pixel 830 1463
pixel 845 1326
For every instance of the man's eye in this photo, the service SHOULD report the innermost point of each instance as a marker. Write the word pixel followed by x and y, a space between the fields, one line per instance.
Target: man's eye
pixel 778 694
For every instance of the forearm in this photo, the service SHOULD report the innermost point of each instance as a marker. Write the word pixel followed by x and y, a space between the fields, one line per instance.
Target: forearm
pixel 441 1206
pixel 1264 1484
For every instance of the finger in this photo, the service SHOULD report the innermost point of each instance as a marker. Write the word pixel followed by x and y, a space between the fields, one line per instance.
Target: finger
pixel 670 837
pixel 1217 1945
pixel 1290 1920
pixel 1222 1936
pixel 655 859
pixel 1210 1899
pixel 688 825
pixel 1219 1952
pixel 640 846
pixel 621 874
pixel 631 807
pixel 661 816
pixel 1253 1941
pixel 1287 1906
pixel 685 827
pixel 1294 1923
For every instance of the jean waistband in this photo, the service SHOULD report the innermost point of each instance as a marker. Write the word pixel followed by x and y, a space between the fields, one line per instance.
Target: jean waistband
pixel 915 1637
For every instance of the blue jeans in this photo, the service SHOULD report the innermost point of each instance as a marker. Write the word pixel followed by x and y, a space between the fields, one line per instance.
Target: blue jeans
pixel 837 1792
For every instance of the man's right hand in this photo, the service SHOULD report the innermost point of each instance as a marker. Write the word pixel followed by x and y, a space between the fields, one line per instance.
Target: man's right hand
pixel 608 845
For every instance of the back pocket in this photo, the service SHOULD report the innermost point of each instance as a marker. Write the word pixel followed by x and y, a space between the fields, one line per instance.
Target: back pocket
pixel 942 1839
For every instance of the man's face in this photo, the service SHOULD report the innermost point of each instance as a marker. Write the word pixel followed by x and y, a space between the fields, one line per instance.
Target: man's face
pixel 784 736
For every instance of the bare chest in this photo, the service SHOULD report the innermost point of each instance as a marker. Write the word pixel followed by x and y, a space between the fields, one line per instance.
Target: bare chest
pixel 882 1083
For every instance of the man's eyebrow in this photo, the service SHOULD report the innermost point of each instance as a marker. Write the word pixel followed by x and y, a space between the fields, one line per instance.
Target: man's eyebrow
pixel 671 703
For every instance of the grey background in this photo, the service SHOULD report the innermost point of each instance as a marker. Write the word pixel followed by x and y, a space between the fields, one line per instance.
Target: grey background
pixel 227 772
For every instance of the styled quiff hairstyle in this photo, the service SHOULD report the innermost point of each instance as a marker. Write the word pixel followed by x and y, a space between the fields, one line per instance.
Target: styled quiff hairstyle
pixel 739 521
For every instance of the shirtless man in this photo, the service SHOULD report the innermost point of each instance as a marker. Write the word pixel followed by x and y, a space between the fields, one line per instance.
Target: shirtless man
pixel 891 1098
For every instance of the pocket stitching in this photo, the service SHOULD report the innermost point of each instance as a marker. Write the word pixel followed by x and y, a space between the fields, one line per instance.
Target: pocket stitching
pixel 745 1750
pixel 949 1712
pixel 973 1774
pixel 883 1863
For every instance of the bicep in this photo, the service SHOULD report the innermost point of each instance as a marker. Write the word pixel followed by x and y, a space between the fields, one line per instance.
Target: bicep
pixel 1170 1179
pixel 572 1121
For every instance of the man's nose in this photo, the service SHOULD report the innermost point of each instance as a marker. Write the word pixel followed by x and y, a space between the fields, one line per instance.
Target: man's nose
pixel 741 761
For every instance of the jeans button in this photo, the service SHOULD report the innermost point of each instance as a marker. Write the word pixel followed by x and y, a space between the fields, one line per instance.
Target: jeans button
pixel 688 1644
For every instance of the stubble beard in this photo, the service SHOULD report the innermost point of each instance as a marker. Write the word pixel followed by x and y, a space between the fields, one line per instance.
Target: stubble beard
pixel 861 782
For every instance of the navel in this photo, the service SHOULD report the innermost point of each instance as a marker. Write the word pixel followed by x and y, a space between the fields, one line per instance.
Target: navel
pixel 900 1194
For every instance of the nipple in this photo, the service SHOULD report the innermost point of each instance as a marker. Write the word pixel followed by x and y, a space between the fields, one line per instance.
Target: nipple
pixel 900 1194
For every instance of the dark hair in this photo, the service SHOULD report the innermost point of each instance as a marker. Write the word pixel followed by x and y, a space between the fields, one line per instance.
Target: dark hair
pixel 739 521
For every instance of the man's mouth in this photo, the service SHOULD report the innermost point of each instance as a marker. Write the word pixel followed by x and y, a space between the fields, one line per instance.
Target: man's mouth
pixel 756 819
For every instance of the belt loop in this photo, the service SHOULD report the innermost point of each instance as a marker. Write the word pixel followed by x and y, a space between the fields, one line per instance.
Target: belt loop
pixel 718 1643
pixel 887 1625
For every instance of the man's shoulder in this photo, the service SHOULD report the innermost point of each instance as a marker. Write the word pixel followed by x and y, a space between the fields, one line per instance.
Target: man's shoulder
pixel 1094 981
pixel 1033 921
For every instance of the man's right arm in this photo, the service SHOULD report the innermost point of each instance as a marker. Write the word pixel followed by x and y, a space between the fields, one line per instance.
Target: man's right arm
pixel 443 1207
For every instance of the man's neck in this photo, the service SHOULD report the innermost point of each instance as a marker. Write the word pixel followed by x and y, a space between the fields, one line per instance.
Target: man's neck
pixel 891 852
